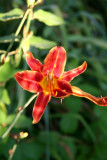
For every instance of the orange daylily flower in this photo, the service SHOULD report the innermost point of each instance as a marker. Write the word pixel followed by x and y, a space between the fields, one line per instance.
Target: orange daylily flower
pixel 51 80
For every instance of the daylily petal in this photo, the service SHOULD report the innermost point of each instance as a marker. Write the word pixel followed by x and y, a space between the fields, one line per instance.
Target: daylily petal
pixel 97 100
pixel 68 76
pixel 58 93
pixel 33 63
pixel 29 80
pixel 55 61
pixel 64 86
pixel 40 106
pixel 64 89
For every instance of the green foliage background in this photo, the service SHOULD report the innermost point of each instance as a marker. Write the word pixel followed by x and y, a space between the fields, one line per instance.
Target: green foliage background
pixel 77 128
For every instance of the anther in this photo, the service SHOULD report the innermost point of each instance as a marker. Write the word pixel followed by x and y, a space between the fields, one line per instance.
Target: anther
pixel 47 75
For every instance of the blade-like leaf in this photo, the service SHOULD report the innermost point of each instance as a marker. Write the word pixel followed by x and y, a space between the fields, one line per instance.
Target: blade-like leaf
pixel 13 14
pixel 8 38
pixel 48 18
pixel 82 39
pixel 41 43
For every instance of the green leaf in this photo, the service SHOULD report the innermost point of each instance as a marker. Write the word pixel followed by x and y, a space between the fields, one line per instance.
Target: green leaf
pixel 82 39
pixel 13 14
pixel 68 124
pixel 6 71
pixel 41 43
pixel 48 18
pixel 7 39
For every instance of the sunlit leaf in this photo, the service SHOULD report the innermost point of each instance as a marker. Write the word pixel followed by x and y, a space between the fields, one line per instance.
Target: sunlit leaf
pixel 13 14
pixel 41 43
pixel 48 18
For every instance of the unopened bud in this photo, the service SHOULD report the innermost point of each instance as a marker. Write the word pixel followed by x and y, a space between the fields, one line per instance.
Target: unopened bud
pixel 10 151
pixel 23 135
pixel 30 3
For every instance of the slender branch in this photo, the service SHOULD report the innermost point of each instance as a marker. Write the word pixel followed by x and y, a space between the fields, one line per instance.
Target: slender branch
pixel 28 22
pixel 22 22
pixel 17 117
pixel 13 151
pixel 18 29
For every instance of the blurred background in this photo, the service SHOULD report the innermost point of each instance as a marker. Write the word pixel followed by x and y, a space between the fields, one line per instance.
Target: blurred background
pixel 77 128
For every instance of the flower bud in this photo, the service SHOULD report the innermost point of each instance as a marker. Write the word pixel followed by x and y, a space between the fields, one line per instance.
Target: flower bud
pixel 23 135
pixel 30 3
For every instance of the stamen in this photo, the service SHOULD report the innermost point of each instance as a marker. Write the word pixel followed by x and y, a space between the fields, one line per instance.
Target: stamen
pixel 61 100
pixel 47 75
pixel 56 93
pixel 51 76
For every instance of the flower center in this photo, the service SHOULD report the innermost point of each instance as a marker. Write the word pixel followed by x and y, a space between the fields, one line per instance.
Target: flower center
pixel 49 83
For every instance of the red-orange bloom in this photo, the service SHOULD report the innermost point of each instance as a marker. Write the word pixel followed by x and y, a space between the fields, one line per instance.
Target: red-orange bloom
pixel 51 80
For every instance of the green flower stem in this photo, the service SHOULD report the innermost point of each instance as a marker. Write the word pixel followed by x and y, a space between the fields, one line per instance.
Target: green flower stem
pixel 13 151
pixel 22 22
pixel 28 22
pixel 18 29
pixel 17 117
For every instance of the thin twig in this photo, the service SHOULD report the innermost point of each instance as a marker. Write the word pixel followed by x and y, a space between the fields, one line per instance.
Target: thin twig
pixel 13 151
pixel 18 30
